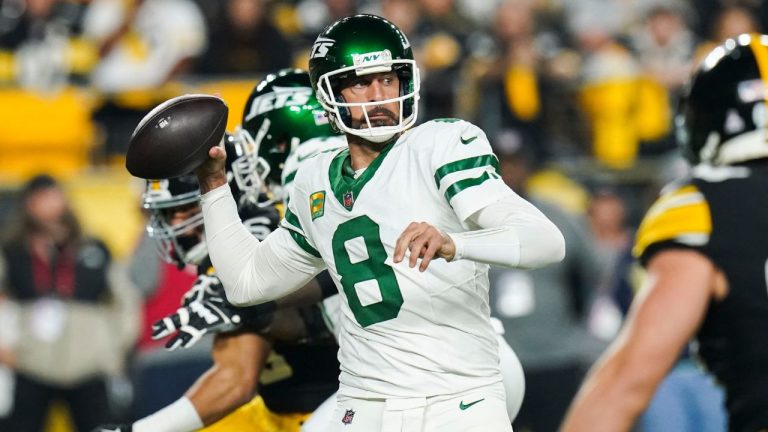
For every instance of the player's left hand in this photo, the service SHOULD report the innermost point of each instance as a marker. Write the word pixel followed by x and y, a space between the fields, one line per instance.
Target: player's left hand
pixel 423 241
pixel 205 288
pixel 195 320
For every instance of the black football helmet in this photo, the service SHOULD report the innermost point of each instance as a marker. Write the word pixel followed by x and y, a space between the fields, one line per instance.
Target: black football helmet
pixel 182 242
pixel 281 113
pixel 722 115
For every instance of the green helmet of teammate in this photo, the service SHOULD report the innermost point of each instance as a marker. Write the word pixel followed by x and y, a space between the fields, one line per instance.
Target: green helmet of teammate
pixel 722 118
pixel 359 45
pixel 280 113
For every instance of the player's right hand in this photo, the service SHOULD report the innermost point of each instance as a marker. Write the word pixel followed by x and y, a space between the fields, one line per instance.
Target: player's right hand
pixel 212 173
pixel 114 428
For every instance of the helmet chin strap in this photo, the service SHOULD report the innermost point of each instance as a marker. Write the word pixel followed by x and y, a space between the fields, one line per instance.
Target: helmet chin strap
pixel 376 134
pixel 189 250
pixel 196 254
pixel 378 139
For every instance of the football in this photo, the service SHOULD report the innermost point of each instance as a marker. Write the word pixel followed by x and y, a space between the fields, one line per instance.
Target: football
pixel 174 138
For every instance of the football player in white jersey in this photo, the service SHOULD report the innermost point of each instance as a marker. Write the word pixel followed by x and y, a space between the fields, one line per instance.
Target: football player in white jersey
pixel 407 221
pixel 511 371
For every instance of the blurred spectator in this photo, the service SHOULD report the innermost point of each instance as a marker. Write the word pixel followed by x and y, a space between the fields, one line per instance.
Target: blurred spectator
pixel 39 44
pixel 314 15
pixel 752 13
pixel 528 87
pixel 403 13
pixel 440 37
pixel 612 237
pixel 665 45
pixel 733 21
pixel 143 45
pixel 244 41
pixel 159 375
pixel 544 311
pixel 76 312
pixel 482 13
pixel 610 85
pixel 608 223
pixel 728 22
pixel 512 84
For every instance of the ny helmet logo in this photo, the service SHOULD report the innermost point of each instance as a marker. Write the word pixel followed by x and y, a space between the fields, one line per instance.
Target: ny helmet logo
pixel 321 46
pixel 372 58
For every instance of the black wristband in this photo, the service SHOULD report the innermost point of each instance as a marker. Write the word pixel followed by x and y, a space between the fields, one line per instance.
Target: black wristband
pixel 257 317
pixel 327 287
pixel 314 324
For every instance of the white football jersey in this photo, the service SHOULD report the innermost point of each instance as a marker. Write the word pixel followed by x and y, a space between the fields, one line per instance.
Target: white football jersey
pixel 404 333
pixel 304 151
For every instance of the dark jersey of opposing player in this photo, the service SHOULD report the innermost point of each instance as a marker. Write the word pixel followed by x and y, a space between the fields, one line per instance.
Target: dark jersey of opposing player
pixel 723 213
pixel 297 377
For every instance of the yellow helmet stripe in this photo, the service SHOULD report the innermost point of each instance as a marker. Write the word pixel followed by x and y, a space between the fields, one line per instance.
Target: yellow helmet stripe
pixel 760 52
pixel 761 55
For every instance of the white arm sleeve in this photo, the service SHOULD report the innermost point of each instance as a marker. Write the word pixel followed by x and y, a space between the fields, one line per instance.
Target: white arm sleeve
pixel 178 416
pixel 251 271
pixel 513 233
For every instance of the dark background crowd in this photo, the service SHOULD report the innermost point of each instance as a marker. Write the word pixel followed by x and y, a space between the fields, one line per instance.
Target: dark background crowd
pixel 577 97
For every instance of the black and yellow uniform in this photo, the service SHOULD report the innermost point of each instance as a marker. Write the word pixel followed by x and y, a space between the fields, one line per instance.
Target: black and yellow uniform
pixel 296 379
pixel 297 376
pixel 292 385
pixel 724 216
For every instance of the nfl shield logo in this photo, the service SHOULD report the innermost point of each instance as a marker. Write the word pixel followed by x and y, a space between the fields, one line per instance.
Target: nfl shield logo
pixel 349 200
pixel 348 416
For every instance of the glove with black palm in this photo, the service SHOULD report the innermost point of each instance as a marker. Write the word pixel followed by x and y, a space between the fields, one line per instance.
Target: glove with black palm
pixel 205 287
pixel 205 309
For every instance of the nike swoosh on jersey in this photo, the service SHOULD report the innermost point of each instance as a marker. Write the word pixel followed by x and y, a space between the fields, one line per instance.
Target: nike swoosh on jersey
pixel 467 140
pixel 463 406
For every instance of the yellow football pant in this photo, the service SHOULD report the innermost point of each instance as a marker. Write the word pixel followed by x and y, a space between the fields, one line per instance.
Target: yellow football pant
pixel 255 417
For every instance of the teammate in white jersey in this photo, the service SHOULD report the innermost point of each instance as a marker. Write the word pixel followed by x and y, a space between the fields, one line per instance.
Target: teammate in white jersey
pixel 406 221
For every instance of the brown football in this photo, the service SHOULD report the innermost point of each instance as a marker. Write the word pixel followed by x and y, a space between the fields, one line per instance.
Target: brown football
pixel 174 138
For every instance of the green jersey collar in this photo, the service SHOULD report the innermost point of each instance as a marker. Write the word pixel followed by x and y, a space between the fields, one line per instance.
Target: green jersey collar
pixel 345 187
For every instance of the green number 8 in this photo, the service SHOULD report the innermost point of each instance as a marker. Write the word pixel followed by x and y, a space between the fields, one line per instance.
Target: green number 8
pixel 372 268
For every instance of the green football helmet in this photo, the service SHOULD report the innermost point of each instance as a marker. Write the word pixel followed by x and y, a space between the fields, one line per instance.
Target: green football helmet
pixel 360 45
pixel 280 113
pixel 722 117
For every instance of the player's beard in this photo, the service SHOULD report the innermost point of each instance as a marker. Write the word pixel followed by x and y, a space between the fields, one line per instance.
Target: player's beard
pixel 389 119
